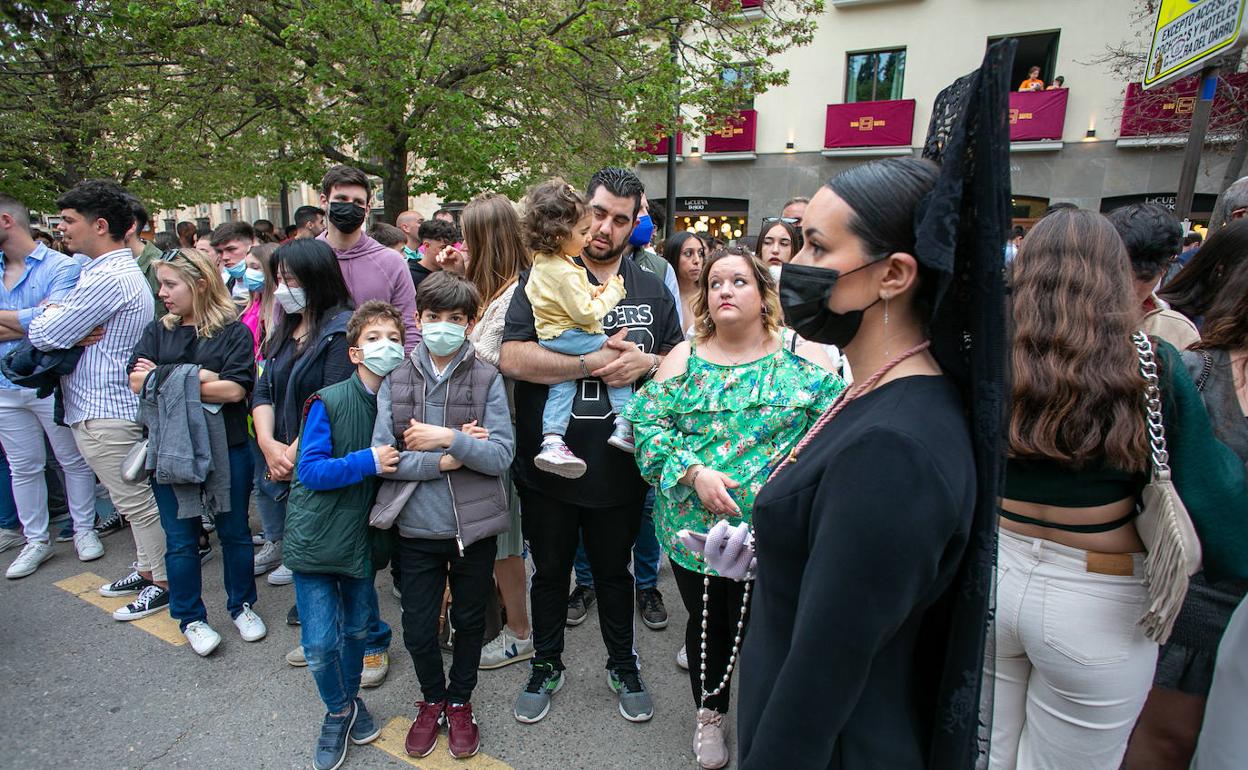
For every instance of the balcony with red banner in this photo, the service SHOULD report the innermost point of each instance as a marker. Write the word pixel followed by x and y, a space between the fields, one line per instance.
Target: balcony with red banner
pixel 869 128
pixel 1164 116
pixel 658 149
pixel 749 9
pixel 1037 119
pixel 735 141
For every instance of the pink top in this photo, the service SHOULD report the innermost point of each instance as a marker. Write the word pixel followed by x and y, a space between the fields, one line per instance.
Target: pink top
pixel 251 319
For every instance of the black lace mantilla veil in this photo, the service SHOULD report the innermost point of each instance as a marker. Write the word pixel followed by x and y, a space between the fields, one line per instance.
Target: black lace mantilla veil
pixel 960 231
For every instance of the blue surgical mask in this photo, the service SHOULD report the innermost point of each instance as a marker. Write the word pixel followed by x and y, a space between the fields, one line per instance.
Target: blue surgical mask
pixel 382 356
pixel 237 270
pixel 443 338
pixel 643 231
pixel 253 279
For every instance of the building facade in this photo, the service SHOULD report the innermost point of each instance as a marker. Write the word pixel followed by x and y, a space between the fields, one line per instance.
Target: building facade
pixel 865 87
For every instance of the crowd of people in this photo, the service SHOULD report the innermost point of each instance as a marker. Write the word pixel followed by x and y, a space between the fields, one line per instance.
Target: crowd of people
pixel 810 433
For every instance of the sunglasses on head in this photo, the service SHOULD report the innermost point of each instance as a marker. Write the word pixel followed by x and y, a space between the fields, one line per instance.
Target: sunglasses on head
pixel 786 220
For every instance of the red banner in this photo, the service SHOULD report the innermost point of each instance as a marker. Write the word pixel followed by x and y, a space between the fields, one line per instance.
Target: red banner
pixel 1036 115
pixel 870 124
pixel 659 147
pixel 1169 110
pixel 737 136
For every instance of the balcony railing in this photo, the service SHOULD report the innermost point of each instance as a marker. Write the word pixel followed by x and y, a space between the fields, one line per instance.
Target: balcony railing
pixel 1037 115
pixel 1168 111
pixel 737 136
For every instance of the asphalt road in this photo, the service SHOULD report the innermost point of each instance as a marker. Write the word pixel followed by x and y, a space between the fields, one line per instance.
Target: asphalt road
pixel 81 690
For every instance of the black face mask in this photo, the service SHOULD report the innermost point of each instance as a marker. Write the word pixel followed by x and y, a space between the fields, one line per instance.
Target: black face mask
pixel 346 217
pixel 804 295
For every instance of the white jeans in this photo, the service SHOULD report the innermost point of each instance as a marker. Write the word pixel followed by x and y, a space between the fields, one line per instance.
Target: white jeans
pixel 24 419
pixel 1073 667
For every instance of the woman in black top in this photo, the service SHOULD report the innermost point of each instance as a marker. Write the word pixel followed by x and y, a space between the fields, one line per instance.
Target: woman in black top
pixel 873 541
pixel 306 352
pixel 199 328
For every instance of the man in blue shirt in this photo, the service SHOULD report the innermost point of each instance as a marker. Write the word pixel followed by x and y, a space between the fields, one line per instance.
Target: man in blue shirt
pixel 35 275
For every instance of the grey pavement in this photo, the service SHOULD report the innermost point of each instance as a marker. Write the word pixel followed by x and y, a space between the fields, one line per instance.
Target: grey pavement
pixel 81 690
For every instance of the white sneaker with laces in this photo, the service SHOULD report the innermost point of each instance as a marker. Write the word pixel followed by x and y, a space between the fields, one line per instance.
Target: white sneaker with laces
pixel 268 557
pixel 249 625
pixel 32 555
pixel 504 649
pixel 11 538
pixel 556 458
pixel 282 576
pixel 88 545
pixel 202 637
pixel 682 658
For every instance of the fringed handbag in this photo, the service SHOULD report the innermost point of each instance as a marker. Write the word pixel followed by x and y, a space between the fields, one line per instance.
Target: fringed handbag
pixel 1164 524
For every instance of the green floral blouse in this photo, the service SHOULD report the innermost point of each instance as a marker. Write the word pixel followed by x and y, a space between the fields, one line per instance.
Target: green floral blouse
pixel 739 420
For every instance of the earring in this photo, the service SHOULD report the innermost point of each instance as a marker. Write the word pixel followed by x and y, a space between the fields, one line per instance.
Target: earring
pixel 886 353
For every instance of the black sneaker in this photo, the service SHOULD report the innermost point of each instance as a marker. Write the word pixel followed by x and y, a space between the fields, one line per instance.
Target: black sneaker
pixel 292 617
pixel 151 600
pixel 114 523
pixel 579 602
pixel 130 584
pixel 653 613
pixel 205 552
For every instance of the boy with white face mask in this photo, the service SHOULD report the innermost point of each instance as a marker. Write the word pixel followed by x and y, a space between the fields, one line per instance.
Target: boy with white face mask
pixel 446 410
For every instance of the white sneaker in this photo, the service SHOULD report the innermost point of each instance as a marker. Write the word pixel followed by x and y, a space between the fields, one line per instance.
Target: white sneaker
pixel 88 545
pixel 556 458
pixel 282 576
pixel 249 625
pixel 11 538
pixel 202 638
pixel 710 740
pixel 682 658
pixel 32 555
pixel 258 540
pixel 504 649
pixel 268 557
pixel 295 657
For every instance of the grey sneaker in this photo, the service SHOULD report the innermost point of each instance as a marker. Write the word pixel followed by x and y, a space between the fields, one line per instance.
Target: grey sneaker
pixel 653 613
pixel 534 701
pixel 11 538
pixel 579 602
pixel 622 436
pixel 635 703
pixel 268 557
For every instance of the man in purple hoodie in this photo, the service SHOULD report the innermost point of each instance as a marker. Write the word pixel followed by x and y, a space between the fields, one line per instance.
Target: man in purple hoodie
pixel 370 270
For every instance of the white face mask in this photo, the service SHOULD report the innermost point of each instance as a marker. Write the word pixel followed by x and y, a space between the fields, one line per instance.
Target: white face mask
pixel 292 300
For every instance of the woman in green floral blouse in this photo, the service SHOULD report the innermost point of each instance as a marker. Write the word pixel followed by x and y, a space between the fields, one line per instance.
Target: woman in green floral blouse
pixel 721 412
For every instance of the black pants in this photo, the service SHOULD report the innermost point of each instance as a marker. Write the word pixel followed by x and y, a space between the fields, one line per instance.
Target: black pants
pixel 426 567
pixel 723 612
pixel 552 528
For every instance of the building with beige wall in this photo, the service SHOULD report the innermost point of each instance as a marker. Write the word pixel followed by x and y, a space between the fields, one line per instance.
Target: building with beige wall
pixel 1085 158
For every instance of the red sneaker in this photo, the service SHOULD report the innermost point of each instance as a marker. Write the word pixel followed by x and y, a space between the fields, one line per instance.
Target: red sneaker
pixel 462 732
pixel 423 735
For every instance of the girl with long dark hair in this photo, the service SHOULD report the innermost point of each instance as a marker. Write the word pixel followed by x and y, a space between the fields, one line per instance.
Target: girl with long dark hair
pixel 685 252
pixel 1192 291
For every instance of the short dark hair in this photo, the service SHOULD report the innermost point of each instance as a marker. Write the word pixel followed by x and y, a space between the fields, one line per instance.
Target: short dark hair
pixel 165 241
pixel 263 225
pixel 370 312
pixel 551 210
pixel 231 231
pixel 437 230
pixel 141 217
pixel 101 199
pixel 313 263
pixel 185 228
pixel 16 209
pixel 387 235
pixel 620 182
pixel 447 291
pixel 345 175
pixel 1018 231
pixel 1193 239
pixel 306 214
pixel 1152 235
pixel 291 230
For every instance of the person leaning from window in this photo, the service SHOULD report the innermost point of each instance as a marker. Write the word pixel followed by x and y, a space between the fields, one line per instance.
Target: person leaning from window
pixel 1033 81
pixel 1073 664
pixel 735 384
pixel 1058 82
pixel 1193 289
pixel 1166 734
pixel 200 329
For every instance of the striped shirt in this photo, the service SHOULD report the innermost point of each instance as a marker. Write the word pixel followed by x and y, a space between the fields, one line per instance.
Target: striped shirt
pixel 49 276
pixel 112 293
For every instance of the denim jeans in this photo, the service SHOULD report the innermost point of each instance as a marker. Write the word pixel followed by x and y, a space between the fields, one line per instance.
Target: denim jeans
pixel 333 613
pixel 646 553
pixel 379 632
pixel 560 396
pixel 186 603
pixel 8 506
pixel 272 512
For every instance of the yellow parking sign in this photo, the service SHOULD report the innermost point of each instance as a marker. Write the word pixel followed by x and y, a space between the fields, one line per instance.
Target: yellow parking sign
pixel 1189 33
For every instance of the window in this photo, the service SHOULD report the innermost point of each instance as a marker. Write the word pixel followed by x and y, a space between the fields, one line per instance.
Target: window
pixel 739 75
pixel 875 76
pixel 1035 49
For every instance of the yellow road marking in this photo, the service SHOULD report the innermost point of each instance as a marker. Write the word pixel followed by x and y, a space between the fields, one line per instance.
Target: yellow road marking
pixel 395 733
pixel 159 625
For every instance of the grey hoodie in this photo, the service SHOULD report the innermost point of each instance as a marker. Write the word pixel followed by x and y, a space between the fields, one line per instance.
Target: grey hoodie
pixel 430 512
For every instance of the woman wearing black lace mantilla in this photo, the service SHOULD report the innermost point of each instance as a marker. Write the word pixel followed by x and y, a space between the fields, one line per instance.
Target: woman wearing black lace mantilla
pixel 874 539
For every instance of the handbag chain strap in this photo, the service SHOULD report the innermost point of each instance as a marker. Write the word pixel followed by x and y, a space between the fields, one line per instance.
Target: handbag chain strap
pixel 1152 404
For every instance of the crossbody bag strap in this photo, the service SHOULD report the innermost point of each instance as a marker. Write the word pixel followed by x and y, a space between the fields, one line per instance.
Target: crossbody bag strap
pixel 1152 406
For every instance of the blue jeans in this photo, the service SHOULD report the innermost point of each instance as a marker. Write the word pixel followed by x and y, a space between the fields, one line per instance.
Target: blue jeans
pixel 379 632
pixel 646 553
pixel 186 603
pixel 561 395
pixel 272 511
pixel 333 613
pixel 8 506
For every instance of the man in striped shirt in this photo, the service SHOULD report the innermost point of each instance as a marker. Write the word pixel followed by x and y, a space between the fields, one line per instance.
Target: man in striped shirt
pixel 107 312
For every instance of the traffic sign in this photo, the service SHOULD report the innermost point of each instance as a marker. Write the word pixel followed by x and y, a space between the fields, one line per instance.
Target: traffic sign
pixel 1189 33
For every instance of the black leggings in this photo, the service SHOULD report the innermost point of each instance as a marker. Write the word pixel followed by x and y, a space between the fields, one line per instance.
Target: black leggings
pixel 723 612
